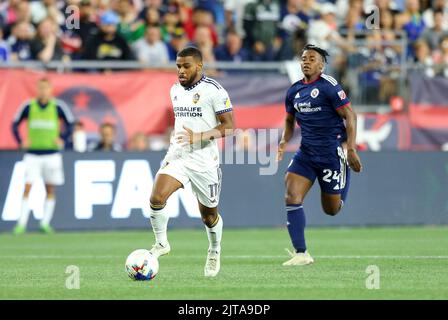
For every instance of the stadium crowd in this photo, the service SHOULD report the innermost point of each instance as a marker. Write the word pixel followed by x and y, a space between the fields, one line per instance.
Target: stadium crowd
pixel 376 43
pixel 152 31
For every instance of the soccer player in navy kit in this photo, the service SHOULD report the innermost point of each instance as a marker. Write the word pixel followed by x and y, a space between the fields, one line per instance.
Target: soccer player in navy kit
pixel 328 147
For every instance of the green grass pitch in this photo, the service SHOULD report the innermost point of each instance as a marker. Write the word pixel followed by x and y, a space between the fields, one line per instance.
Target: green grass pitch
pixel 413 264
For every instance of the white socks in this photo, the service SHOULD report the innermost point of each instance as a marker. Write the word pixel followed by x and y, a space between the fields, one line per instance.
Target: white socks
pixel 214 235
pixel 48 211
pixel 24 213
pixel 159 222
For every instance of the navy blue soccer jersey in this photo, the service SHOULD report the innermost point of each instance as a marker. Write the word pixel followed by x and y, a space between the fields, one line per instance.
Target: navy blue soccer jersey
pixel 314 106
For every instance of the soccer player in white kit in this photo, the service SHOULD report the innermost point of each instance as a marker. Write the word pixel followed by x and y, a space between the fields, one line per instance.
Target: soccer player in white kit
pixel 203 113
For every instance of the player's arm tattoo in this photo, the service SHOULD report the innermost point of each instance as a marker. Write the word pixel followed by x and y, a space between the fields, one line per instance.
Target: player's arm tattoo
pixel 225 127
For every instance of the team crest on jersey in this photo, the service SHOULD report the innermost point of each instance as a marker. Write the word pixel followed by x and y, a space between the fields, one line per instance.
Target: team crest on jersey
pixel 342 95
pixel 196 98
pixel 314 93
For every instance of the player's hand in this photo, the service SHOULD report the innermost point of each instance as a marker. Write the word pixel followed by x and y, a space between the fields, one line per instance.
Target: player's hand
pixel 188 137
pixel 353 160
pixel 59 142
pixel 281 150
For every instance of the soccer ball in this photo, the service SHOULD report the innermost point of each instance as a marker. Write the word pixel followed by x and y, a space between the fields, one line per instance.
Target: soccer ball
pixel 141 265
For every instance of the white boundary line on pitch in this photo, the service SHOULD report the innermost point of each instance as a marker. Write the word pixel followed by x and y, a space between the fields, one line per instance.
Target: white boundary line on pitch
pixel 26 256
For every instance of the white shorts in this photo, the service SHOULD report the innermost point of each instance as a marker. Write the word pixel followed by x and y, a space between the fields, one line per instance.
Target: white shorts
pixel 47 166
pixel 206 185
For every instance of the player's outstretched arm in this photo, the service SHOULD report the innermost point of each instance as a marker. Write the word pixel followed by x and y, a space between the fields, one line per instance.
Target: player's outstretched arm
pixel 225 128
pixel 350 123
pixel 286 135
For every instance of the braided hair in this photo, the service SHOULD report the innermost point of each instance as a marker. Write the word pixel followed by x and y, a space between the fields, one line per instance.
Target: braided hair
pixel 323 53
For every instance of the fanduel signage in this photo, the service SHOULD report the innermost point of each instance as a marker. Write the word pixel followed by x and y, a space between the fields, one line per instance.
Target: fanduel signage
pixel 100 183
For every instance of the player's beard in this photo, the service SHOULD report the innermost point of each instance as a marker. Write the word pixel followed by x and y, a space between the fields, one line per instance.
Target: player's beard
pixel 189 81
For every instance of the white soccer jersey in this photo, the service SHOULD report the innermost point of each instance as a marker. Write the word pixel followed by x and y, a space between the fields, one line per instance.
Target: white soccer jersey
pixel 197 108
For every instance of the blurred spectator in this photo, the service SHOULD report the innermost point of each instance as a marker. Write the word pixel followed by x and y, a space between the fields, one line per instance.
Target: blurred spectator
pixel 22 13
pixel 184 10
pixel 178 41
pixel 292 27
pixel 354 24
pixel 153 4
pixel 151 49
pixel 5 51
pixel 322 32
pixel 20 41
pixel 260 53
pixel 107 44
pixel 139 142
pixel 433 35
pixel 41 10
pixel 215 7
pixel 158 142
pixel 70 41
pixel 171 24
pixel 88 28
pixel 352 30
pixel 202 18
pixel 46 45
pixel 9 12
pixel 204 42
pixel 129 26
pixel 151 17
pixel 423 58
pixel 107 141
pixel 260 25
pixel 233 49
pixel 370 72
pixel 253 30
pixel 387 21
pixel 78 141
pixel 443 56
pixel 412 23
pixel 234 12
pixel 386 5
pixel 391 67
pixel 429 14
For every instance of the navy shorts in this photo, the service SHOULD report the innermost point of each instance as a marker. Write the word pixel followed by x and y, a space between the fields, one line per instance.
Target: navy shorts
pixel 333 176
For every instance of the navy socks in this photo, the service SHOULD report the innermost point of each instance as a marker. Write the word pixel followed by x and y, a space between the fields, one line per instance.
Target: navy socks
pixel 296 226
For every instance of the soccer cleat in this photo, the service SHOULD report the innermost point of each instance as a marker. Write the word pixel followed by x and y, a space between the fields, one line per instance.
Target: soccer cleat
pixel 298 259
pixel 213 264
pixel 159 250
pixel 46 228
pixel 19 230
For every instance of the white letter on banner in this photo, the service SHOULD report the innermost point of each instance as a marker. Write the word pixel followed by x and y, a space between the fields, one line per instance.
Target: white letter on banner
pixel 134 189
pixel 92 185
pixel 13 201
